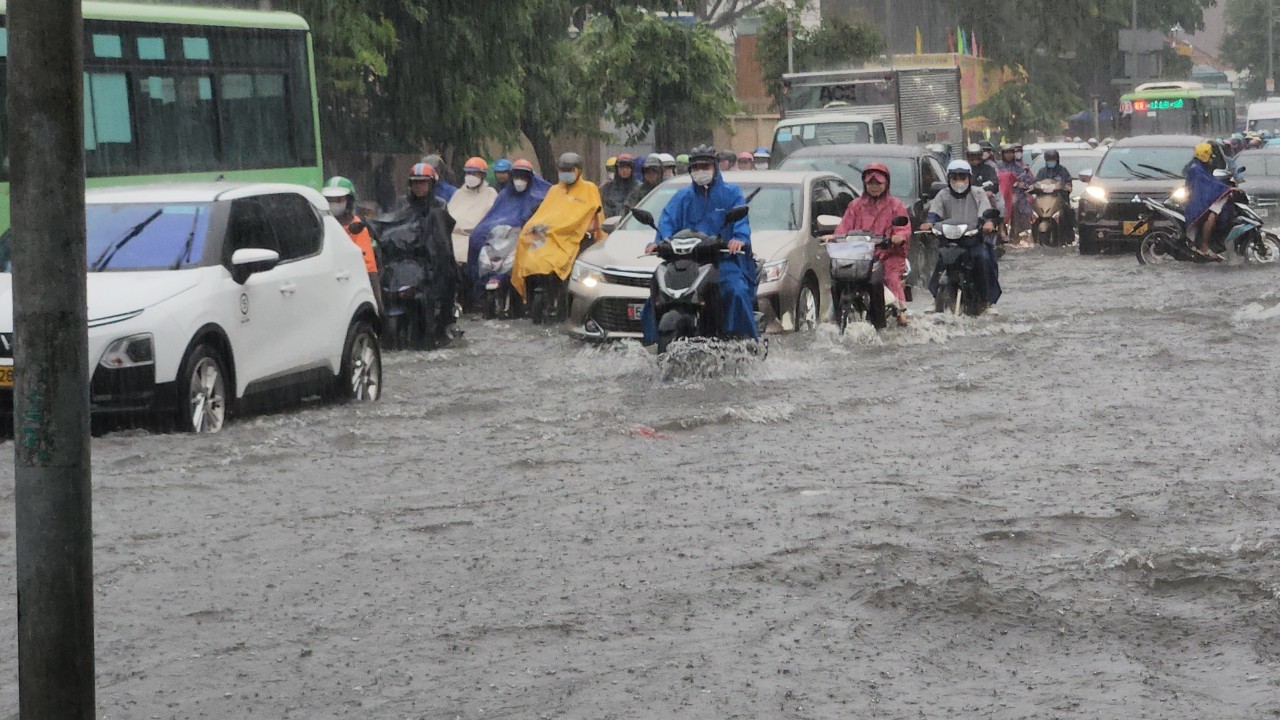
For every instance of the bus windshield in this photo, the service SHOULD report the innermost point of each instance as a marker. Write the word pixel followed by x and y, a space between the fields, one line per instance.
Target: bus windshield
pixel 1171 121
pixel 790 138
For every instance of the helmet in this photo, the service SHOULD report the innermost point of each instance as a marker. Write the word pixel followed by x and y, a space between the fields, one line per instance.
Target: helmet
pixel 654 161
pixel 1076 139
pixel 973 149
pixel 522 165
pixel 668 160
pixel 1204 152
pixel 986 146
pixel 435 161
pixel 702 152
pixel 727 156
pixel 761 152
pixel 569 160
pixel 476 164
pixel 959 167
pixel 1092 141
pixel 876 167
pixel 611 163
pixel 682 158
pixel 1052 155
pixel 1008 148
pixel 338 187
pixel 744 155
pixel 625 159
pixel 501 165
pixel 423 171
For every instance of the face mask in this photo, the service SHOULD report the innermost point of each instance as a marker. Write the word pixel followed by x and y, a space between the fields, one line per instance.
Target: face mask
pixel 959 186
pixel 1017 156
pixel 569 178
pixel 472 181
pixel 1050 164
pixel 702 177
pixel 762 165
pixel 520 185
pixel 338 208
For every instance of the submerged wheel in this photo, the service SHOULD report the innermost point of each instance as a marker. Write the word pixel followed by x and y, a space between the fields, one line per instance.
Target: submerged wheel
pixel 875 307
pixel 945 300
pixel 202 392
pixel 1264 249
pixel 1154 249
pixel 845 312
pixel 360 377
pixel 807 307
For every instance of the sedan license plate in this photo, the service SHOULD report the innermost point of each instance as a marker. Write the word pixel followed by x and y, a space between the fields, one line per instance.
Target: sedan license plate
pixel 634 310
pixel 6 376
pixel 1134 227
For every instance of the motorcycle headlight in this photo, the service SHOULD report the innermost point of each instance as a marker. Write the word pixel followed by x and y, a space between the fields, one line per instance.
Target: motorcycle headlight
pixel 774 271
pixel 1180 195
pixel 131 351
pixel 1095 193
pixel 588 275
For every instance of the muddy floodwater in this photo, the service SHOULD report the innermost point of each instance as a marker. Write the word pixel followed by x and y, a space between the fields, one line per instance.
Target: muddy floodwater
pixel 1069 510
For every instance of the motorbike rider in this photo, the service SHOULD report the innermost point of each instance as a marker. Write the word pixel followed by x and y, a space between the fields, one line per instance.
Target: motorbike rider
pixel 341 194
pixel 760 158
pixel 423 205
pixel 873 213
pixel 727 160
pixel 615 192
pixel 610 168
pixel 501 173
pixel 568 220
pixel 983 173
pixel 746 161
pixel 1053 170
pixel 444 189
pixel 517 202
pixel 651 177
pixel 682 163
pixel 962 204
pixel 701 206
pixel 668 166
pixel 469 205
pixel 1015 180
pixel 1207 202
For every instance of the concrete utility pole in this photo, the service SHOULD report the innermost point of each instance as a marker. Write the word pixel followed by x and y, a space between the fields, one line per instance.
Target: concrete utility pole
pixel 51 393
pixel 1271 47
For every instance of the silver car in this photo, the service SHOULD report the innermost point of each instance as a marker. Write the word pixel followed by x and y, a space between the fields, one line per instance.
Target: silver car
pixel 610 281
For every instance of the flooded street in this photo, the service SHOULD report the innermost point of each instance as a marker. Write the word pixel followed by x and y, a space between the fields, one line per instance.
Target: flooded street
pixel 1066 510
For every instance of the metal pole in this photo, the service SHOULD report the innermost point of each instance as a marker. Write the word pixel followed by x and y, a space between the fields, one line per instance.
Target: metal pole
pixel 1097 122
pixel 51 393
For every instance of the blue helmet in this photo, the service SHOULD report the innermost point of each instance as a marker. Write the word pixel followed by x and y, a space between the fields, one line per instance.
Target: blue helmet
pixel 502 165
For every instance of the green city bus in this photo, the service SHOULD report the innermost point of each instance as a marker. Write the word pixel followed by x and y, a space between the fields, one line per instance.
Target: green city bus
pixel 190 94
pixel 1177 108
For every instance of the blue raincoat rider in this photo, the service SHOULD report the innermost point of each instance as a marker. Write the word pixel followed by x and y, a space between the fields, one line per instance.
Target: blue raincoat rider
pixel 1207 209
pixel 701 206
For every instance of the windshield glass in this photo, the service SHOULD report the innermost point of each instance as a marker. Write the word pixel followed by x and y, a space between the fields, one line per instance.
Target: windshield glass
pixel 790 138
pixel 771 208
pixel 902 177
pixel 1145 163
pixel 1073 162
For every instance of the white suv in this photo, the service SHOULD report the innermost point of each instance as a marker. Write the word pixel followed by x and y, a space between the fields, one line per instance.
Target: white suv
pixel 201 295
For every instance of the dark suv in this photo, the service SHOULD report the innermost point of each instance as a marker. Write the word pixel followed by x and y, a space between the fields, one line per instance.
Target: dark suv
pixel 1150 166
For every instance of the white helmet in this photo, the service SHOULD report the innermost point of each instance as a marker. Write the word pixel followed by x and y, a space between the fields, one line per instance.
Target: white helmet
pixel 958 167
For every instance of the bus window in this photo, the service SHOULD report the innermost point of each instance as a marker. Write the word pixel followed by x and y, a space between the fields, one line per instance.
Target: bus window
pixel 108 127
pixel 150 48
pixel 255 120
pixel 177 128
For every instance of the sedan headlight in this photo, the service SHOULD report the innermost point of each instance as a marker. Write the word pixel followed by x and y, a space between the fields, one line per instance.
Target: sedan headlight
pixel 589 275
pixel 1180 195
pixel 1095 193
pixel 773 271
pixel 131 351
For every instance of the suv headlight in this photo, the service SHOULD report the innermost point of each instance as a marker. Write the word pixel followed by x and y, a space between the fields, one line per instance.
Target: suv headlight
pixel 773 271
pixel 1096 194
pixel 589 275
pixel 128 352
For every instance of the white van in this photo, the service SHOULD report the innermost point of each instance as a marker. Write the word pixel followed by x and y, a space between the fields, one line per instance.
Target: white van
pixel 835 128
pixel 1263 115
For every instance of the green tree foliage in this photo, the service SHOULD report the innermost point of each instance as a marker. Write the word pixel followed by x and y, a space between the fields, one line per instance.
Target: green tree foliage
pixel 653 74
pixel 836 43
pixel 1245 44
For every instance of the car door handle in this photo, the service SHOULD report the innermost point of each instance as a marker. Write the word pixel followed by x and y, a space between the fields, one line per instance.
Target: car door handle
pixel 288 289
pixel 343 275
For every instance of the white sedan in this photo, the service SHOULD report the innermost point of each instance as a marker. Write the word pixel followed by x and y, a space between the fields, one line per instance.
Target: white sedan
pixel 202 295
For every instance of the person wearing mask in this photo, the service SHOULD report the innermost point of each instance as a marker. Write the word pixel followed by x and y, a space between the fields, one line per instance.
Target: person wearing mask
pixel 651 177
pixel 569 219
pixel 727 160
pixel 341 194
pixel 962 204
pixel 517 202
pixel 615 192
pixel 682 163
pixel 984 173
pixel 444 189
pixel 1207 202
pixel 610 168
pixel 469 205
pixel 501 173
pixel 746 161
pixel 760 158
pixel 873 213
pixel 988 152
pixel 668 166
pixel 1053 170
pixel 701 206
pixel 1015 180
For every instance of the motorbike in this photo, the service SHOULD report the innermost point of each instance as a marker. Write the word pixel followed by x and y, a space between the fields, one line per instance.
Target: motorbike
pixel 1246 236
pixel 859 278
pixel 497 258
pixel 687 274
pixel 549 294
pixel 957 292
pixel 411 289
pixel 1048 202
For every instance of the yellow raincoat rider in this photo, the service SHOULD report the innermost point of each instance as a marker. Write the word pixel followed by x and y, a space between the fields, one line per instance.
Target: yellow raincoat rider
pixel 571 209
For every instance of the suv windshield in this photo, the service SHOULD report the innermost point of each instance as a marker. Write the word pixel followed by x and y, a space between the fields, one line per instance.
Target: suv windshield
pixel 901 171
pixel 137 236
pixel 775 207
pixel 1145 163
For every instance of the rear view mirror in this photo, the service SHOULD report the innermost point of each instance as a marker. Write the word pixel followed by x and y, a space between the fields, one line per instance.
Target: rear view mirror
pixel 1221 174
pixel 828 223
pixel 356 227
pixel 1240 170
pixel 901 221
pixel 611 223
pixel 736 214
pixel 934 189
pixel 247 261
pixel 645 217
pixel 1086 175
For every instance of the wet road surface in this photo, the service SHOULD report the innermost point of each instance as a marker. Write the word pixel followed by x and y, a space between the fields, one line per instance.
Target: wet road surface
pixel 1067 510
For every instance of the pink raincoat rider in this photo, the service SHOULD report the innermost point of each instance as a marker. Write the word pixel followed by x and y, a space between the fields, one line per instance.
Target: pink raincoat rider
pixel 874 213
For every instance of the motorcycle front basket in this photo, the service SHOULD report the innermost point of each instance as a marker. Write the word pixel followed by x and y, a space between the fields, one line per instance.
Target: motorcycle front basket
pixel 851 260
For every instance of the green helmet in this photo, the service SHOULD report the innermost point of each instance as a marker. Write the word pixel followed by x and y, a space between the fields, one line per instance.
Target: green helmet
pixel 339 187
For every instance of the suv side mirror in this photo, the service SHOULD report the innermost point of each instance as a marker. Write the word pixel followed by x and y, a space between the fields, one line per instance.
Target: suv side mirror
pixel 644 216
pixel 248 261
pixel 828 223
pixel 1221 174
pixel 1086 175
pixel 935 188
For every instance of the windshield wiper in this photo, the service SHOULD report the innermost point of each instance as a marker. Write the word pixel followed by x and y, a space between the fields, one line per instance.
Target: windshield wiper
pixel 186 248
pixel 1169 173
pixel 110 251
pixel 1135 173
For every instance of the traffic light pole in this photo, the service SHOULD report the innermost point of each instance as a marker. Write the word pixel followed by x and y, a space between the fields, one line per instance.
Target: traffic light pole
pixel 51 394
